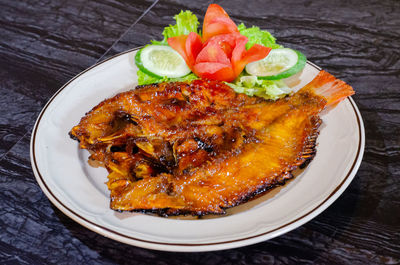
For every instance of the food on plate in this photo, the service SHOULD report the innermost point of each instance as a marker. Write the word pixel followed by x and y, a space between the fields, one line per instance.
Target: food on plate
pixel 198 147
pixel 221 52
pixel 212 123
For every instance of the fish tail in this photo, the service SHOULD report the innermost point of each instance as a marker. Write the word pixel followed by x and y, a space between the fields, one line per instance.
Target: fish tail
pixel 332 89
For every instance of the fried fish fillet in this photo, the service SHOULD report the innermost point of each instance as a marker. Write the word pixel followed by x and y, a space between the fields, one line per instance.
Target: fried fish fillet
pixel 199 148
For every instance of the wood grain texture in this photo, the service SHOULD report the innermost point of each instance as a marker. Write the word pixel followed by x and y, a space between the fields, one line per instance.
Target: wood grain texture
pixel 152 24
pixel 44 43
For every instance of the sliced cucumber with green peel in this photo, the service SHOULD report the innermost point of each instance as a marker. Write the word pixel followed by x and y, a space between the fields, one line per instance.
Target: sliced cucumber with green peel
pixel 160 61
pixel 280 63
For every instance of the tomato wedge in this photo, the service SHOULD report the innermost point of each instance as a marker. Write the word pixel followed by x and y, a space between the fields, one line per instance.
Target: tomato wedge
pixel 226 41
pixel 178 43
pixel 193 47
pixel 216 22
pixel 241 56
pixel 188 46
pixel 213 53
pixel 215 71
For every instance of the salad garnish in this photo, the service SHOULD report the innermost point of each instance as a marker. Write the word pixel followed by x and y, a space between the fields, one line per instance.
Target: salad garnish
pixel 247 58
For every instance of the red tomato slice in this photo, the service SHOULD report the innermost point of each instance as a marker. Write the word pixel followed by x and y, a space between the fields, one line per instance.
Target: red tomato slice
pixel 193 47
pixel 179 44
pixel 226 41
pixel 214 11
pixel 213 53
pixel 223 56
pixel 214 71
pixel 217 21
pixel 241 56
pixel 255 53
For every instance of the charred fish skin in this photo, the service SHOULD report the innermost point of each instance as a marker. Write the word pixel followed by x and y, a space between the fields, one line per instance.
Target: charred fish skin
pixel 199 148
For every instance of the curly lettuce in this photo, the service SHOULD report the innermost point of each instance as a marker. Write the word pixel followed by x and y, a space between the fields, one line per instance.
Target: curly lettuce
pixel 251 85
pixel 268 89
pixel 186 22
pixel 256 35
pixel 145 79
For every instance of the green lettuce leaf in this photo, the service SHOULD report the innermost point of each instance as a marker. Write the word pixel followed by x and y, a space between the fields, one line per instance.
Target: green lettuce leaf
pixel 188 77
pixel 145 79
pixel 268 89
pixel 186 22
pixel 256 35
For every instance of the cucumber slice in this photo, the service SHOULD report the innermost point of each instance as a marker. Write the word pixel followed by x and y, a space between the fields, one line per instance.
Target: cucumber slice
pixel 160 61
pixel 280 63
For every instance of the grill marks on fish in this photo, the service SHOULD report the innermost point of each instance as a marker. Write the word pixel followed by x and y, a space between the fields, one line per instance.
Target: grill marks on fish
pixel 199 148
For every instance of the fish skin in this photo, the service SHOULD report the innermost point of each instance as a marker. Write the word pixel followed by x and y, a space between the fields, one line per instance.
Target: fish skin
pixel 199 148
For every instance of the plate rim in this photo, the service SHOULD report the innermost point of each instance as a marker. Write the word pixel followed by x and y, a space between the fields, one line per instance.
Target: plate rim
pixel 197 247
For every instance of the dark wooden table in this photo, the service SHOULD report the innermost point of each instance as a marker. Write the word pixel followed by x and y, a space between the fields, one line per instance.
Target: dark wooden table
pixel 45 43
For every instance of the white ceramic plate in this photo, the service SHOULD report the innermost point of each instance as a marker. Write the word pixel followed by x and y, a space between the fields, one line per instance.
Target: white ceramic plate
pixel 79 191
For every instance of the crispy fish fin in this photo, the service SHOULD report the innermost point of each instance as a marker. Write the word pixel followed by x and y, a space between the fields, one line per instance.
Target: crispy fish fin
pixel 309 149
pixel 332 89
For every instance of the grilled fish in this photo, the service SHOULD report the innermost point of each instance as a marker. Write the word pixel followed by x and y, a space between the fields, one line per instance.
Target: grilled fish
pixel 199 148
